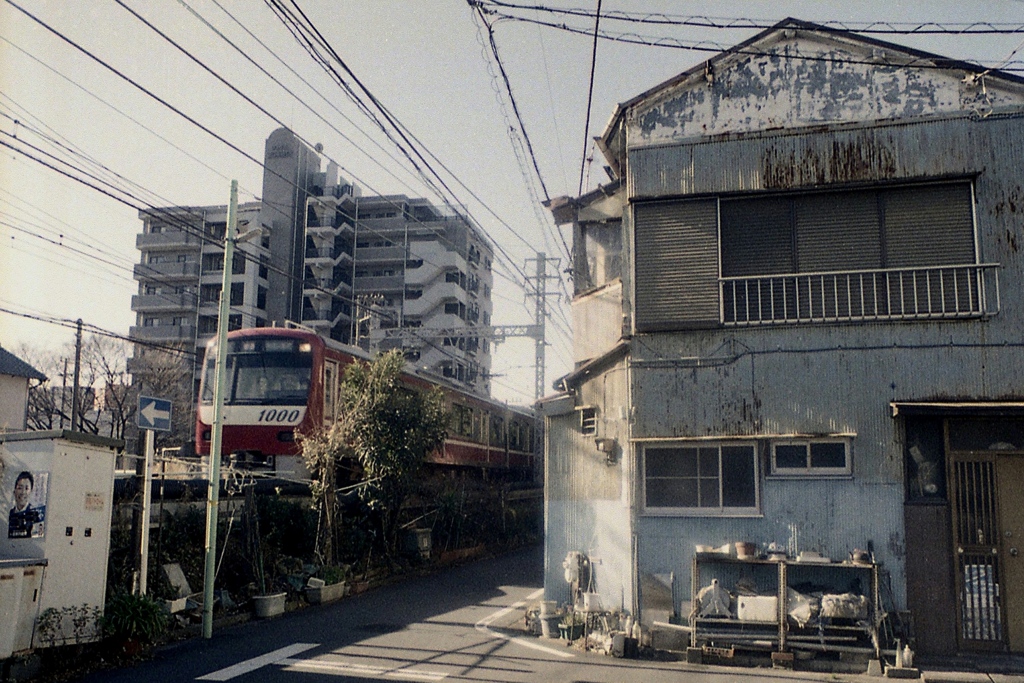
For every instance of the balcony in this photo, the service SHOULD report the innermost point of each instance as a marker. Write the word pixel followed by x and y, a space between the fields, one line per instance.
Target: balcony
pixel 935 293
pixel 156 303
pixel 172 239
pixel 166 271
pixel 164 333
pixel 373 284
pixel 370 255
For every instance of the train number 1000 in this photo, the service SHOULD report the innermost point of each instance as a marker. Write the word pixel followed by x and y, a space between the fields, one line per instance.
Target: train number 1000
pixel 282 416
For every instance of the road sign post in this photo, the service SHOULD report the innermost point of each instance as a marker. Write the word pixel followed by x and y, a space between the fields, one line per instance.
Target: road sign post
pixel 154 415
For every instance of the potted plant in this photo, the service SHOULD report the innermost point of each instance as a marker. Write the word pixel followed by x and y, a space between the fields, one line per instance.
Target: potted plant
pixel 265 602
pixel 330 586
pixel 133 621
pixel 571 626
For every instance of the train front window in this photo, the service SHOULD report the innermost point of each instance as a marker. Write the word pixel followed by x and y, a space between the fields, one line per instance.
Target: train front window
pixel 264 372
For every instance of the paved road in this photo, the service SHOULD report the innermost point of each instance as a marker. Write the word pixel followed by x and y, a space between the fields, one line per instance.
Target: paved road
pixel 462 624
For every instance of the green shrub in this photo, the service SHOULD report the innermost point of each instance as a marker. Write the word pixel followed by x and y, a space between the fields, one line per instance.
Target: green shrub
pixel 134 616
pixel 334 574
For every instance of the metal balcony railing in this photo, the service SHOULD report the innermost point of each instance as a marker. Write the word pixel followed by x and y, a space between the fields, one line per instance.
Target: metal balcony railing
pixel 939 292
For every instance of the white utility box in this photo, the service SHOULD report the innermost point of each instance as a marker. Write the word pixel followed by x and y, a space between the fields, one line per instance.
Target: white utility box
pixel 56 494
pixel 764 608
pixel 20 581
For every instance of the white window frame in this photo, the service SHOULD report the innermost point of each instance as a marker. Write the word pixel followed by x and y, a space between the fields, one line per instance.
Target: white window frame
pixel 720 511
pixel 588 420
pixel 809 471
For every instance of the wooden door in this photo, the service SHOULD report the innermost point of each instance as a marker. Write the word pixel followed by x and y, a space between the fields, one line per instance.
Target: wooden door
pixel 1010 491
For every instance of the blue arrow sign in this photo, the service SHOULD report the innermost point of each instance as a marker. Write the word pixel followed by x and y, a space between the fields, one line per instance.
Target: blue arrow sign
pixel 154 413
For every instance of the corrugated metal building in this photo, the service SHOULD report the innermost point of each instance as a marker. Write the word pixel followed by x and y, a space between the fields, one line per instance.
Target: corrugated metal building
pixel 797 323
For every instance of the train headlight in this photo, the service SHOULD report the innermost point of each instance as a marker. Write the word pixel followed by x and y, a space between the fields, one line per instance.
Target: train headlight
pixel 286 436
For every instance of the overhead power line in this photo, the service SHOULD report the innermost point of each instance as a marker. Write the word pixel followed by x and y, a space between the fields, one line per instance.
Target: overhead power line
pixel 590 95
pixel 113 189
pixel 518 135
pixel 933 62
pixel 704 21
pixel 94 329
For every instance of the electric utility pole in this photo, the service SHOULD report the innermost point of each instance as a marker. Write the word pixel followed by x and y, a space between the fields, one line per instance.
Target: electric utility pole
pixel 213 491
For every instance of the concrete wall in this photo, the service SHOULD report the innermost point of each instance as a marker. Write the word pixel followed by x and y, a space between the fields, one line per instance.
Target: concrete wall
pixel 599 312
pixel 13 402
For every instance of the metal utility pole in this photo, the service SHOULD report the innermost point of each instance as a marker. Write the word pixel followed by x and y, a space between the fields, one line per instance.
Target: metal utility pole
pixel 213 491
pixel 63 392
pixel 540 309
pixel 76 403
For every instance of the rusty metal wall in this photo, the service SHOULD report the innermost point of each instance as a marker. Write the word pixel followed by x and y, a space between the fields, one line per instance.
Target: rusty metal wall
pixel 827 154
pixel 828 379
pixel 829 516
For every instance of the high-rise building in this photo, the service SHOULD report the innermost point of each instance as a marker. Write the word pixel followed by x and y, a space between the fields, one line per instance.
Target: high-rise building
pixel 382 272
pixel 180 275
pixel 389 272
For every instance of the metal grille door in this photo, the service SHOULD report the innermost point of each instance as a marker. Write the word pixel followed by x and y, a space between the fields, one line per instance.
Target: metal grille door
pixel 977 536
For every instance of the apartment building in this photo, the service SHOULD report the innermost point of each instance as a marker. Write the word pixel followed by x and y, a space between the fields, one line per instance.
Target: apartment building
pixel 181 271
pixel 375 271
pixel 392 271
pixel 800 330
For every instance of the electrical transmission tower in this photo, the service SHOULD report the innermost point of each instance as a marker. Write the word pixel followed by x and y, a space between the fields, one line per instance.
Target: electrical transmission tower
pixel 540 310
pixel 537 289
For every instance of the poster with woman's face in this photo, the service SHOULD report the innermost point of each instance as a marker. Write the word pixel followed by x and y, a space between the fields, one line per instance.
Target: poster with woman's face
pixel 27 518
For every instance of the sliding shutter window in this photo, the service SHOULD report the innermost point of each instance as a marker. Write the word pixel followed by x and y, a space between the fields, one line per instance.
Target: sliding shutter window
pixel 757 236
pixel 676 247
pixel 929 225
pixel 838 231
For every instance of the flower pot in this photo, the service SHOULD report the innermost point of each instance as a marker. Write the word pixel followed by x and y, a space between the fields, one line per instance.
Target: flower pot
pixel 328 593
pixel 570 632
pixel 268 605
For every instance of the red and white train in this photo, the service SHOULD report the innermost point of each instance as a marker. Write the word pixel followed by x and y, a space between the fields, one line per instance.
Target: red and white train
pixel 281 381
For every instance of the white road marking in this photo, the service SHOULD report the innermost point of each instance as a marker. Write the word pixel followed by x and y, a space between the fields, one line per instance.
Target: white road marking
pixel 342 668
pixel 484 627
pixel 258 662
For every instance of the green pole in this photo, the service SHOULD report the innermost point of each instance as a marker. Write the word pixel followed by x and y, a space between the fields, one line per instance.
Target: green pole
pixel 213 490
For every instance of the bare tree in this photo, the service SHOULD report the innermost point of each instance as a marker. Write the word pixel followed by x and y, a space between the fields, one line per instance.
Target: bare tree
pixel 106 400
pixel 168 374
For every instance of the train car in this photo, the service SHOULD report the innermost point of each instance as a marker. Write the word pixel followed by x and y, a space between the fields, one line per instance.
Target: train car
pixel 285 381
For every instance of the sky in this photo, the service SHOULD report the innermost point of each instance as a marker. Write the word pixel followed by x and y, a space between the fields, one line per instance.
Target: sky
pixel 68 250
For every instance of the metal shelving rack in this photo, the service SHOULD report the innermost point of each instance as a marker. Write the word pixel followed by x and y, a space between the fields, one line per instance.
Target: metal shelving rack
pixel 782 635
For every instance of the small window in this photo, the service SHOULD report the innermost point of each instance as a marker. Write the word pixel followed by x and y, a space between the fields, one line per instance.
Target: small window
pixel 330 390
pixel 705 479
pixel 588 420
pixel 811 458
